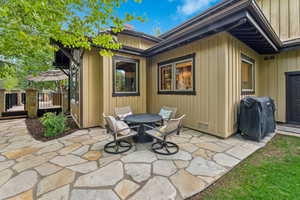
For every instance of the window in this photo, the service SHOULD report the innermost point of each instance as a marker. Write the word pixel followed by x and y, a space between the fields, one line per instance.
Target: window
pixel 248 81
pixel 125 76
pixel 176 76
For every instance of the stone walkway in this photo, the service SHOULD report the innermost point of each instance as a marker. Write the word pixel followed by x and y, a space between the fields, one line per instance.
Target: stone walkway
pixel 75 167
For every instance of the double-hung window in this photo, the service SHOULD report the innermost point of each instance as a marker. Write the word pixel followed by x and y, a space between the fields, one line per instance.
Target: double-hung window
pixel 125 76
pixel 177 76
pixel 248 75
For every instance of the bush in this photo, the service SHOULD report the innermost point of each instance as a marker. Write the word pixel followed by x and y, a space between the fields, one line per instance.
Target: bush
pixel 53 124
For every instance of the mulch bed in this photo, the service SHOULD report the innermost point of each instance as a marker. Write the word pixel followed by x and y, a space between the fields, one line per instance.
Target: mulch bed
pixel 36 129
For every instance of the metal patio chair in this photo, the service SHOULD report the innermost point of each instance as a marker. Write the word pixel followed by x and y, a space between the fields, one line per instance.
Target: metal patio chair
pixel 162 146
pixel 119 143
pixel 173 111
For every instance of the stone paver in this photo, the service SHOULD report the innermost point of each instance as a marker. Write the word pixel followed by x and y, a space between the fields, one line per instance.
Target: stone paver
pixel 138 172
pixel 18 184
pixel 93 195
pixel 126 188
pixel 76 167
pixel 110 175
pixel 54 181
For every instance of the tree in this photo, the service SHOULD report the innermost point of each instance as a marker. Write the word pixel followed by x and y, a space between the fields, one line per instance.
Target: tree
pixel 28 26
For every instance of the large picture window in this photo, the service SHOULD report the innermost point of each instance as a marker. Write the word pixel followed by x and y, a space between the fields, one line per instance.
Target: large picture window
pixel 248 76
pixel 125 76
pixel 176 76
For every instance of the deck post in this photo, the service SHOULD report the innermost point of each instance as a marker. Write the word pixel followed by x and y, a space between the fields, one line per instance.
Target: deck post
pixel 2 101
pixel 65 101
pixel 31 102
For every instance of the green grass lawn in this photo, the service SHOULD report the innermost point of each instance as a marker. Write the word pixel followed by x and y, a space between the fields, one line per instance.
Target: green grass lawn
pixel 271 173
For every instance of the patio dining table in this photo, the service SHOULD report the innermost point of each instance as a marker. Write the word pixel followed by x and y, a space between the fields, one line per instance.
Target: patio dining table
pixel 141 119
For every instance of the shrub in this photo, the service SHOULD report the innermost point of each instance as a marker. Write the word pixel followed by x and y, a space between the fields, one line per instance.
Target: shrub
pixel 53 124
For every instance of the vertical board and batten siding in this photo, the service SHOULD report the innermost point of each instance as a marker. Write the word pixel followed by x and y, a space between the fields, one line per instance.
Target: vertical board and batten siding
pixel 137 103
pixel 234 50
pixel 207 110
pixel 92 94
pixel 284 16
pixel 135 42
pixel 273 81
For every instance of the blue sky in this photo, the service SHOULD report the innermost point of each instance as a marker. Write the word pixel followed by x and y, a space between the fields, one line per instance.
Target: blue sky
pixel 164 14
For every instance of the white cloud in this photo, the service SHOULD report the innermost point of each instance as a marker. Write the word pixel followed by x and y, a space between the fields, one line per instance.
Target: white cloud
pixel 189 7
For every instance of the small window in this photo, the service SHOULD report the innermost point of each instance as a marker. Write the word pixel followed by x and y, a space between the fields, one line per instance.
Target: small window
pixel 125 76
pixel 248 80
pixel 176 76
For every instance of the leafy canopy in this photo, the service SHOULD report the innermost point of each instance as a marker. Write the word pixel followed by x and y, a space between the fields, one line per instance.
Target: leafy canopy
pixel 27 27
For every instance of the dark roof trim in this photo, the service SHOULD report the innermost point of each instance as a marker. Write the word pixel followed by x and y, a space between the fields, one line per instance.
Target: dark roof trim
pixel 141 35
pixel 127 50
pixel 291 44
pixel 205 14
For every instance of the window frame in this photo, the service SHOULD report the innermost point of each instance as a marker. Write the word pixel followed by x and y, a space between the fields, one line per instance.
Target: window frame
pixel 173 62
pixel 250 61
pixel 115 59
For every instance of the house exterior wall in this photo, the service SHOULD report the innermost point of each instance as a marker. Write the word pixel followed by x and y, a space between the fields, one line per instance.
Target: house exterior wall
pixel 206 111
pixel 272 80
pixel 284 16
pixel 135 42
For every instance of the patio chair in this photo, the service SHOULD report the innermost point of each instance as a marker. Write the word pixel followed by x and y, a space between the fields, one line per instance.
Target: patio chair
pixel 120 132
pixel 167 113
pixel 162 146
pixel 122 112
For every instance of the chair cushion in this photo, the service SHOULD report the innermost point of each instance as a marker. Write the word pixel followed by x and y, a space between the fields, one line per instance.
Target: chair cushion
pixel 120 125
pixel 122 116
pixel 165 114
pixel 111 121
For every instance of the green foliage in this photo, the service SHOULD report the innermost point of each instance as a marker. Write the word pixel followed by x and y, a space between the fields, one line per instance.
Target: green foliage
pixel 27 28
pixel 53 124
pixel 10 84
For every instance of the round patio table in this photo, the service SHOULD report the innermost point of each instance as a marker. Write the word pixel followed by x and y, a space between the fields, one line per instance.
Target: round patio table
pixel 141 119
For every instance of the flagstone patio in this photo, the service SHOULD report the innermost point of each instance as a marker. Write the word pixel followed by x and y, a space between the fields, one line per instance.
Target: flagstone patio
pixel 75 167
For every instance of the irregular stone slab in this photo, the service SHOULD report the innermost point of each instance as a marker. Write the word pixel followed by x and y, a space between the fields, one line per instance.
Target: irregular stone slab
pixel 181 155
pixel 225 160
pixel 239 152
pixel 81 150
pixel 105 176
pixel 2 158
pixel 179 140
pixel 50 148
pixel 20 152
pixel 138 172
pixel 157 188
pixel 69 149
pixel 19 184
pixel 85 167
pixel 5 176
pixel 109 159
pixel 216 147
pixel 203 153
pixel 181 164
pixel 90 141
pixel 27 157
pixel 24 196
pixel 126 188
pixel 54 181
pixel 188 147
pixel 207 179
pixel 187 184
pixel 35 161
pixel 200 166
pixel 79 139
pixel 47 169
pixel 140 156
pixel 80 132
pixel 67 160
pixel 93 195
pixel 99 146
pixel 164 167
pixel 92 155
pixel 6 164
pixel 59 194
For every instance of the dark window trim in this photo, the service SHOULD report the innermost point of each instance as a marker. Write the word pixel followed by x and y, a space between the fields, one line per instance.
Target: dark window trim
pixel 288 99
pixel 124 94
pixel 251 60
pixel 174 92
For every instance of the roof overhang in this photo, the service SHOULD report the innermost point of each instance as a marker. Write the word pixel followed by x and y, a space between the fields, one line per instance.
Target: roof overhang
pixel 243 19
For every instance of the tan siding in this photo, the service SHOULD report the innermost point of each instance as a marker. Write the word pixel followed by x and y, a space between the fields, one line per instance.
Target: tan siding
pixel 135 42
pixel 273 81
pixel 234 50
pixel 284 16
pixel 206 111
